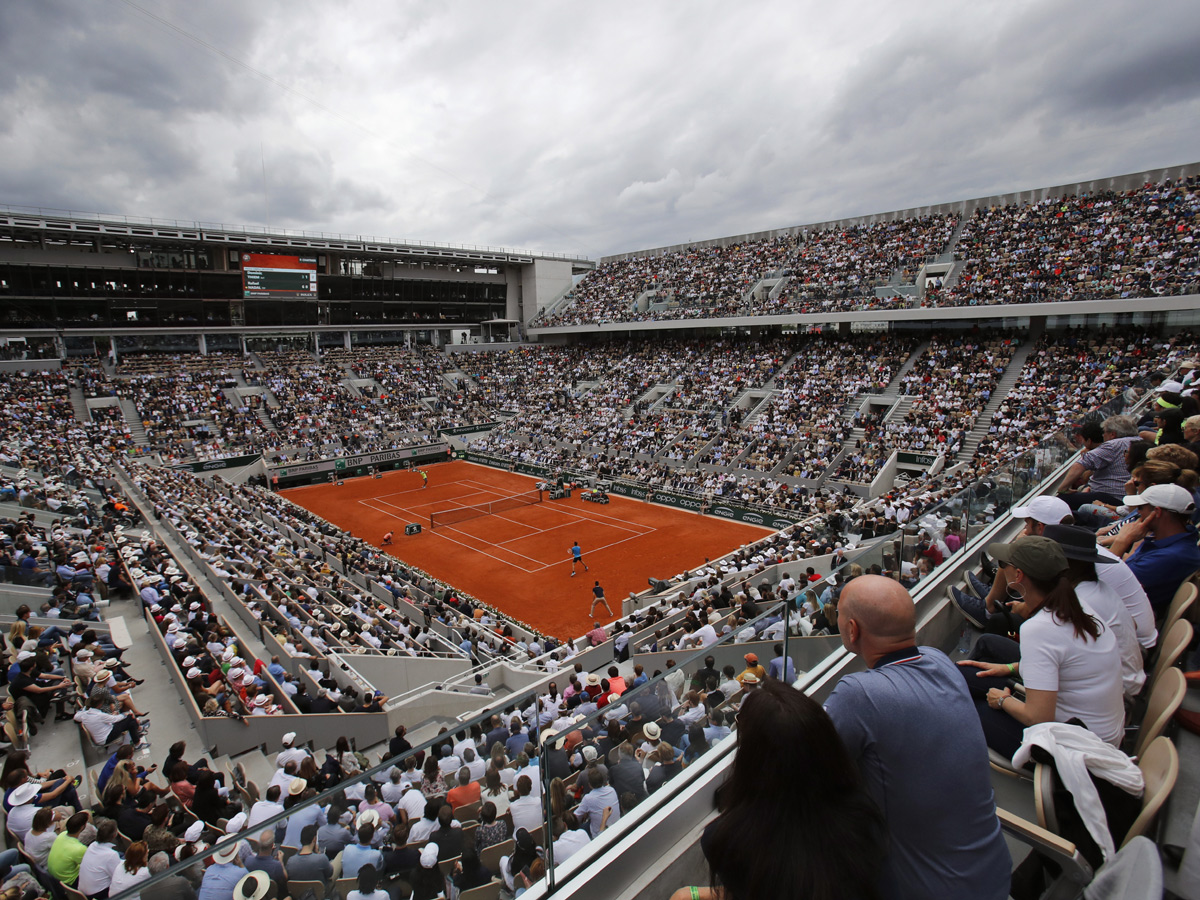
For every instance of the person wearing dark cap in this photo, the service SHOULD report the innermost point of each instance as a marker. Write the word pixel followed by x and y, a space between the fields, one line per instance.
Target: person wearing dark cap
pixel 1168 554
pixel 1086 562
pixel 1068 660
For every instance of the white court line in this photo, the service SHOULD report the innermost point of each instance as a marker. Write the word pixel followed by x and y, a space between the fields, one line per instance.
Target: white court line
pixel 540 531
pixel 482 488
pixel 413 511
pixel 575 516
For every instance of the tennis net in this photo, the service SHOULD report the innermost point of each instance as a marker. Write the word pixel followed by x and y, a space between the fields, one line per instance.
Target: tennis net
pixel 462 513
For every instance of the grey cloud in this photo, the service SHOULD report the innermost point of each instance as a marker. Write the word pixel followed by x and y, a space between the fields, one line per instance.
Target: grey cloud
pixel 582 129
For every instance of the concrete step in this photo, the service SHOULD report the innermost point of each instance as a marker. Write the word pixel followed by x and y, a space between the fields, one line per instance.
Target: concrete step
pixel 79 404
pixel 133 419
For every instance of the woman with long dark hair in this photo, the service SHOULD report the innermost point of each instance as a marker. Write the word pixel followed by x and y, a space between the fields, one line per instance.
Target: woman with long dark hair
pixel 1070 663
pixel 778 835
pixel 207 802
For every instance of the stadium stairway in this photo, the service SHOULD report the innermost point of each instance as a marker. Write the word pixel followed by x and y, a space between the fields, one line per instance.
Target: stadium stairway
pixel 893 388
pixel 1003 386
pixel 137 431
pixel 79 404
pixel 953 275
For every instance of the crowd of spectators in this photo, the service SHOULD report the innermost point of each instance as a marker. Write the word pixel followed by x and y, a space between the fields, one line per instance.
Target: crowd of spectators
pixel 1065 373
pixel 698 282
pixel 839 268
pixel 1135 243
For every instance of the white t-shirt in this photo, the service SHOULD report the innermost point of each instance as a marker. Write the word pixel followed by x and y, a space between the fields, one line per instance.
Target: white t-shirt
pixel 1086 674
pixel 1102 602
pixel 526 813
pixel 1125 585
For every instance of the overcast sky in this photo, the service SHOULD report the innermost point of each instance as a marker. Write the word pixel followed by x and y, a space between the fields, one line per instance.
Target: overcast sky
pixel 568 127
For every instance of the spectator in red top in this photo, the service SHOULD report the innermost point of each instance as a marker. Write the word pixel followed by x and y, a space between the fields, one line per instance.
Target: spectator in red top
pixel 466 792
pixel 616 684
pixel 929 549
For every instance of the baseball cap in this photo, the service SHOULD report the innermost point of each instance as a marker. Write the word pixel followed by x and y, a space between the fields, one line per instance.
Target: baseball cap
pixel 1044 509
pixel 1170 497
pixel 1037 556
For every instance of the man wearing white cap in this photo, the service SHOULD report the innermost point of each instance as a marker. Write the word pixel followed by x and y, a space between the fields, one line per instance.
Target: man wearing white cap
pixel 1168 553
pixel 1038 513
pixel 290 753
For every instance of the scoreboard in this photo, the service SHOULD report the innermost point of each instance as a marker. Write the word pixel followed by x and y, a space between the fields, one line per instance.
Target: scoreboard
pixel 271 276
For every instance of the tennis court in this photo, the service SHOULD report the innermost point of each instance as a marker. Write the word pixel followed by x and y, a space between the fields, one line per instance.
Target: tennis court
pixel 516 556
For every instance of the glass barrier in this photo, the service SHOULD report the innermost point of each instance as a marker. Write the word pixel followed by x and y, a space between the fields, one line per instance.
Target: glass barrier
pixel 661 752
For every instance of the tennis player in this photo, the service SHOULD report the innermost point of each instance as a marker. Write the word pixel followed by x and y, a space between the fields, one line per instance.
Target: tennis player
pixel 577 558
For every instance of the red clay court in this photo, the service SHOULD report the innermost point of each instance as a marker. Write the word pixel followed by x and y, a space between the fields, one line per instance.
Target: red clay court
pixel 519 560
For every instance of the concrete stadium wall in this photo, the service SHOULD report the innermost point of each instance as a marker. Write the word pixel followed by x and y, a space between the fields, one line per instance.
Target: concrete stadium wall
pixel 1005 314
pixel 398 674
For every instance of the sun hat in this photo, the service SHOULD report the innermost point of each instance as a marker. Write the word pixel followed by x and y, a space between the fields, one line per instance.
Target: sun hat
pixel 298 786
pixel 228 855
pixel 1077 543
pixel 24 794
pixel 651 731
pixel 1035 555
pixel 252 886
pixel 749 678
pixel 1044 509
pixel 102 676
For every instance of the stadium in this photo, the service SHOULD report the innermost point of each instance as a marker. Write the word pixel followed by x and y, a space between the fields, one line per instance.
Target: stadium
pixel 354 565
